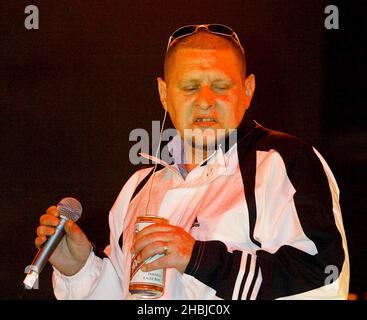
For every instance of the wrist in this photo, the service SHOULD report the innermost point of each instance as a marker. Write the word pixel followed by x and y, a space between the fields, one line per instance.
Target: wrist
pixel 76 264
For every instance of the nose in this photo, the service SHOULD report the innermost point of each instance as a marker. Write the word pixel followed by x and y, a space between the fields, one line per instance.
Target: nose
pixel 205 98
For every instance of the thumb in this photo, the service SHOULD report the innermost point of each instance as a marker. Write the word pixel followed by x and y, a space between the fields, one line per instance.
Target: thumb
pixel 73 231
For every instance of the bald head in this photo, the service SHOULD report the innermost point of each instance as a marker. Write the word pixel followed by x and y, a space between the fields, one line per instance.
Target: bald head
pixel 203 40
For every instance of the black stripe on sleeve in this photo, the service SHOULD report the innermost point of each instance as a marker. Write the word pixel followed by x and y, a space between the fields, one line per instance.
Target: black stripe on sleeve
pixel 213 265
pixel 251 288
pixel 247 270
pixel 291 271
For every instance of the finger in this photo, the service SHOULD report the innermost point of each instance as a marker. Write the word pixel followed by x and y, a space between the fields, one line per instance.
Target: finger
pixel 45 231
pixel 53 211
pixel 151 250
pixel 40 241
pixel 144 241
pixel 159 227
pixel 163 262
pixel 49 220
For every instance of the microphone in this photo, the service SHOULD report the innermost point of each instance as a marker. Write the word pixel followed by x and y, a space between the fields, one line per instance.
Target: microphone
pixel 69 208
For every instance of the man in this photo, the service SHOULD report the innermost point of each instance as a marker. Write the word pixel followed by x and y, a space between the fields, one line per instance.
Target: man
pixel 255 219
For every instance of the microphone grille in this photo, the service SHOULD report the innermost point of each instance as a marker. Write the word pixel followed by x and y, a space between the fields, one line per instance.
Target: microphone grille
pixel 70 208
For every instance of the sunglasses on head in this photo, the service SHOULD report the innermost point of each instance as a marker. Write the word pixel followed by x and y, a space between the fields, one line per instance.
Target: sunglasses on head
pixel 215 28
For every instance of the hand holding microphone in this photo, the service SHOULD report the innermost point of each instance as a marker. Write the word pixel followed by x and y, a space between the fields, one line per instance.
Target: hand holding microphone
pixel 68 253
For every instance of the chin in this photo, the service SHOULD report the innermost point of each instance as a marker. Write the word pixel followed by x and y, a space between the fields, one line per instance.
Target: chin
pixel 204 138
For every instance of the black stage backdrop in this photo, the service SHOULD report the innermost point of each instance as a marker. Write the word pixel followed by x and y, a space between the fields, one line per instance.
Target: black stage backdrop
pixel 72 91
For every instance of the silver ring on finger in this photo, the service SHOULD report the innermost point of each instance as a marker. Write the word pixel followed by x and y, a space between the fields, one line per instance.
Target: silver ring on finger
pixel 165 249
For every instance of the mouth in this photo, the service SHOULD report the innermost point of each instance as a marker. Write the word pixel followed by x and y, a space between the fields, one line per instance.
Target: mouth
pixel 205 121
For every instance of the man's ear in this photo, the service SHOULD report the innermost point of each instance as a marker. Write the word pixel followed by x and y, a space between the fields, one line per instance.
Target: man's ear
pixel 162 89
pixel 250 85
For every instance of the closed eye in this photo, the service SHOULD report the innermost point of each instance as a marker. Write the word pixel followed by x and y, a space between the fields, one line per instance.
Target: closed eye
pixel 190 88
pixel 220 87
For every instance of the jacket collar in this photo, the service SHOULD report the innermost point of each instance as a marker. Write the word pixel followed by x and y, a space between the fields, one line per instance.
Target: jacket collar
pixel 222 157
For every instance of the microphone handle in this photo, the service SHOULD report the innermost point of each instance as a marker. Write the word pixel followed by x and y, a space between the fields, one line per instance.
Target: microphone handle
pixel 44 253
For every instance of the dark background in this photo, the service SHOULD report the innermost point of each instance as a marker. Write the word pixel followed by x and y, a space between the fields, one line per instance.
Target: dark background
pixel 72 91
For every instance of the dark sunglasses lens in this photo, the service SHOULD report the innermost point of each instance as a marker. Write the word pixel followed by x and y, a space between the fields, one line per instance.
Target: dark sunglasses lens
pixel 184 31
pixel 219 28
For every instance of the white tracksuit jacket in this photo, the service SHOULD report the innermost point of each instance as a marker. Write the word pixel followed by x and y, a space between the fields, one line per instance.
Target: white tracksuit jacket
pixel 265 213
